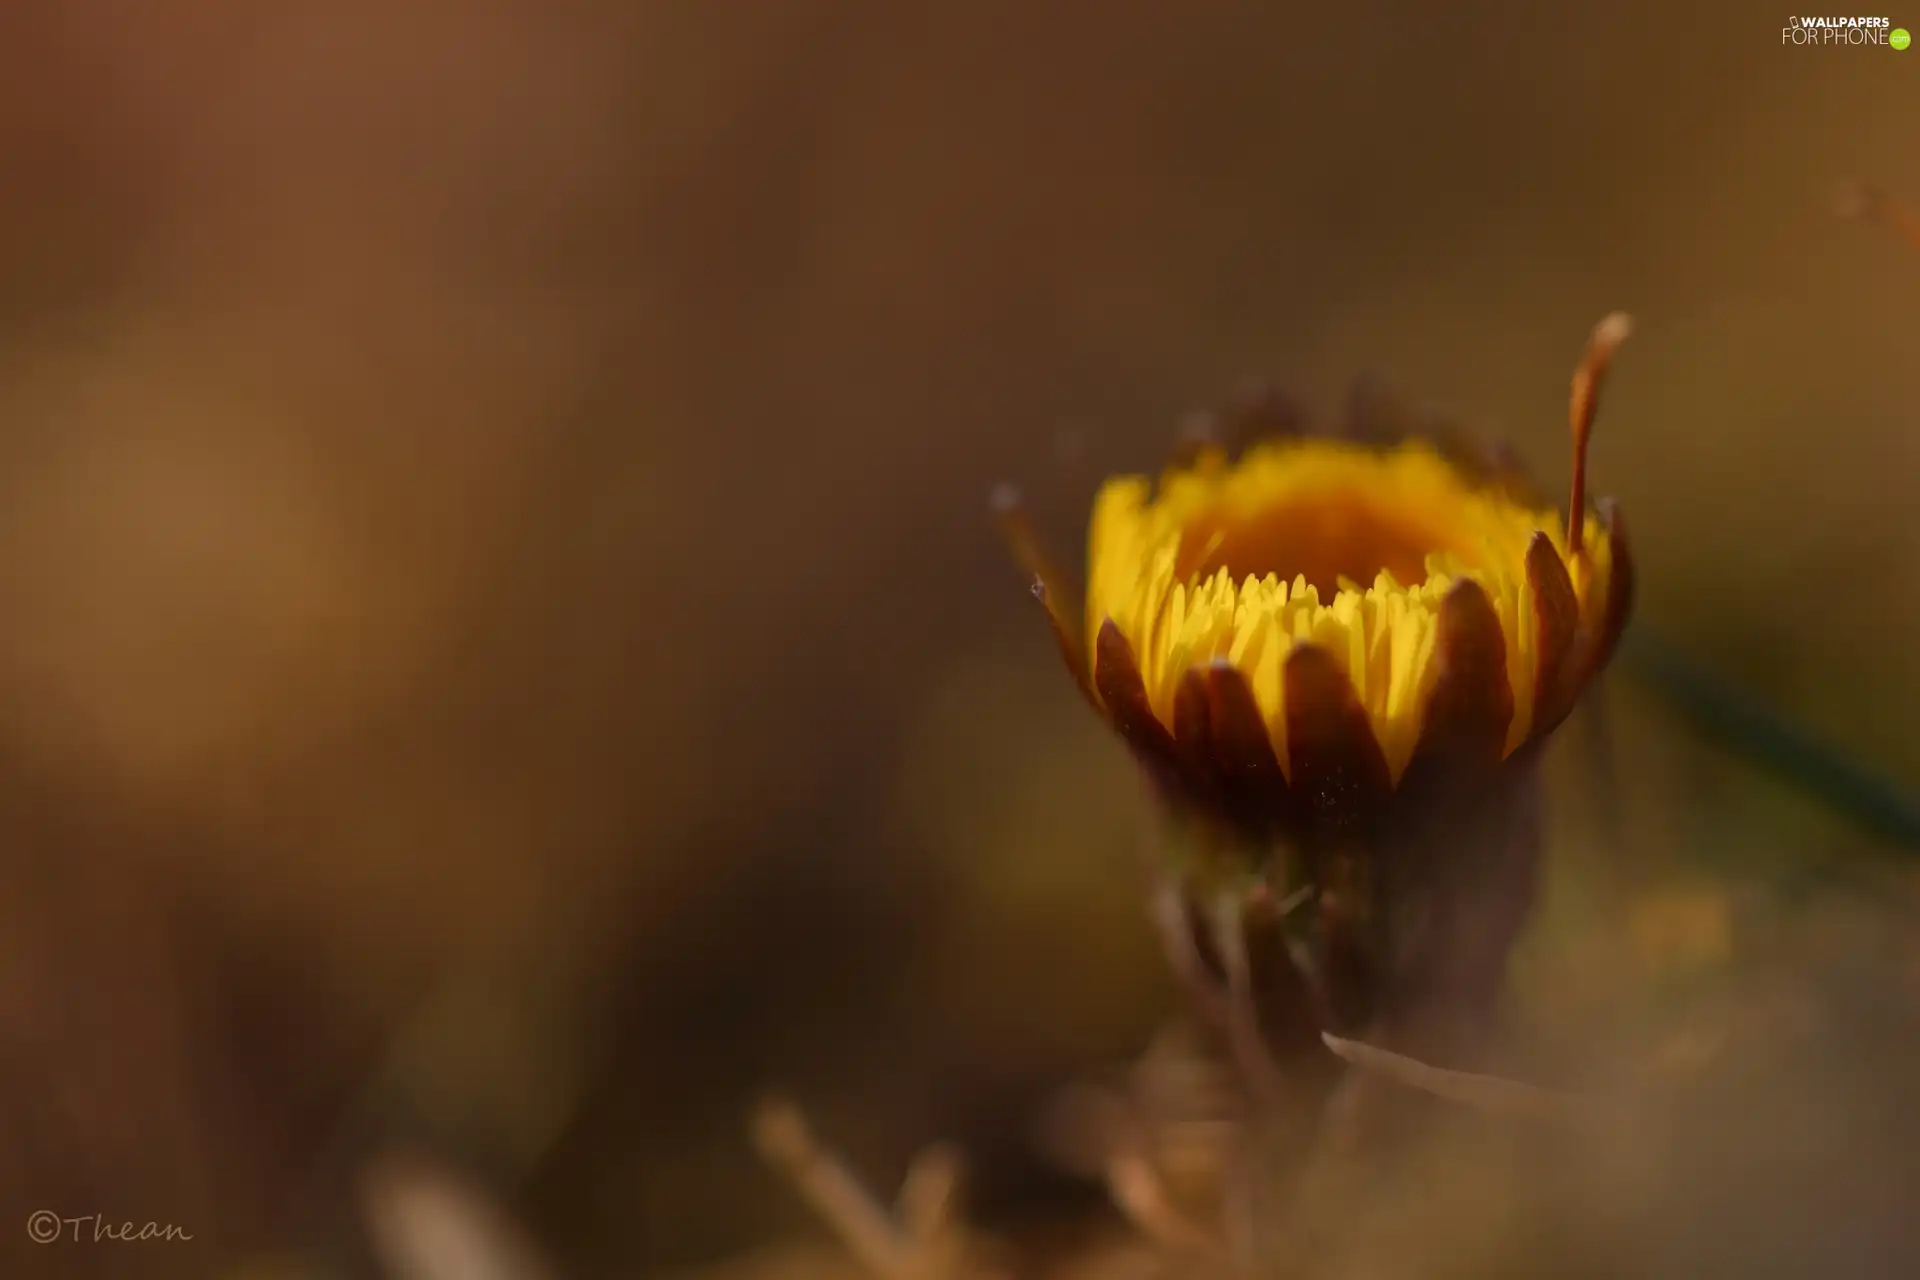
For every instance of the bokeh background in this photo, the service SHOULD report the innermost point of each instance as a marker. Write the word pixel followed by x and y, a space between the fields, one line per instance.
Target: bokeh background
pixel 502 649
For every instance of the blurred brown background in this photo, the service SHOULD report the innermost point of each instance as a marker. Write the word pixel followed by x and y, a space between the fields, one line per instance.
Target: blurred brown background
pixel 502 644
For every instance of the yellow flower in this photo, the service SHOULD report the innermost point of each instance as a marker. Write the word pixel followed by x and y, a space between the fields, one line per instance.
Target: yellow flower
pixel 1290 638
pixel 1199 573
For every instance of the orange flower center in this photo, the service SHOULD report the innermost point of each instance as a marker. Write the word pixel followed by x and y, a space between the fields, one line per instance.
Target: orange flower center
pixel 1343 534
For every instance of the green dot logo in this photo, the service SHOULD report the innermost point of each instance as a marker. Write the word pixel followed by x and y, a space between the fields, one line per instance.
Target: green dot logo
pixel 1899 38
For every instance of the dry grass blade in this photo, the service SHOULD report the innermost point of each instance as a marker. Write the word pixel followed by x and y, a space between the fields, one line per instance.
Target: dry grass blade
pixel 923 1241
pixel 1125 1137
pixel 426 1223
pixel 924 1207
pixel 1491 1094
pixel 1139 1193
pixel 787 1143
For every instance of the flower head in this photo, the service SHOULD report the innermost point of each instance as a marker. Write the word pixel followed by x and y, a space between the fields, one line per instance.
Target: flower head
pixel 1292 638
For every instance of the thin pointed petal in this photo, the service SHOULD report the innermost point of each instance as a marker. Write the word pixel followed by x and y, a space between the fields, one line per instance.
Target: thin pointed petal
pixel 1472 702
pixel 1556 612
pixel 1192 738
pixel 1620 587
pixel 1116 677
pixel 1065 634
pixel 1242 749
pixel 1339 776
pixel 1583 405
pixel 1049 584
pixel 1025 543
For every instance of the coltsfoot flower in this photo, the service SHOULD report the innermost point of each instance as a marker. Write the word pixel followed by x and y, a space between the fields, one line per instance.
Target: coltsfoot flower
pixel 1336 656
